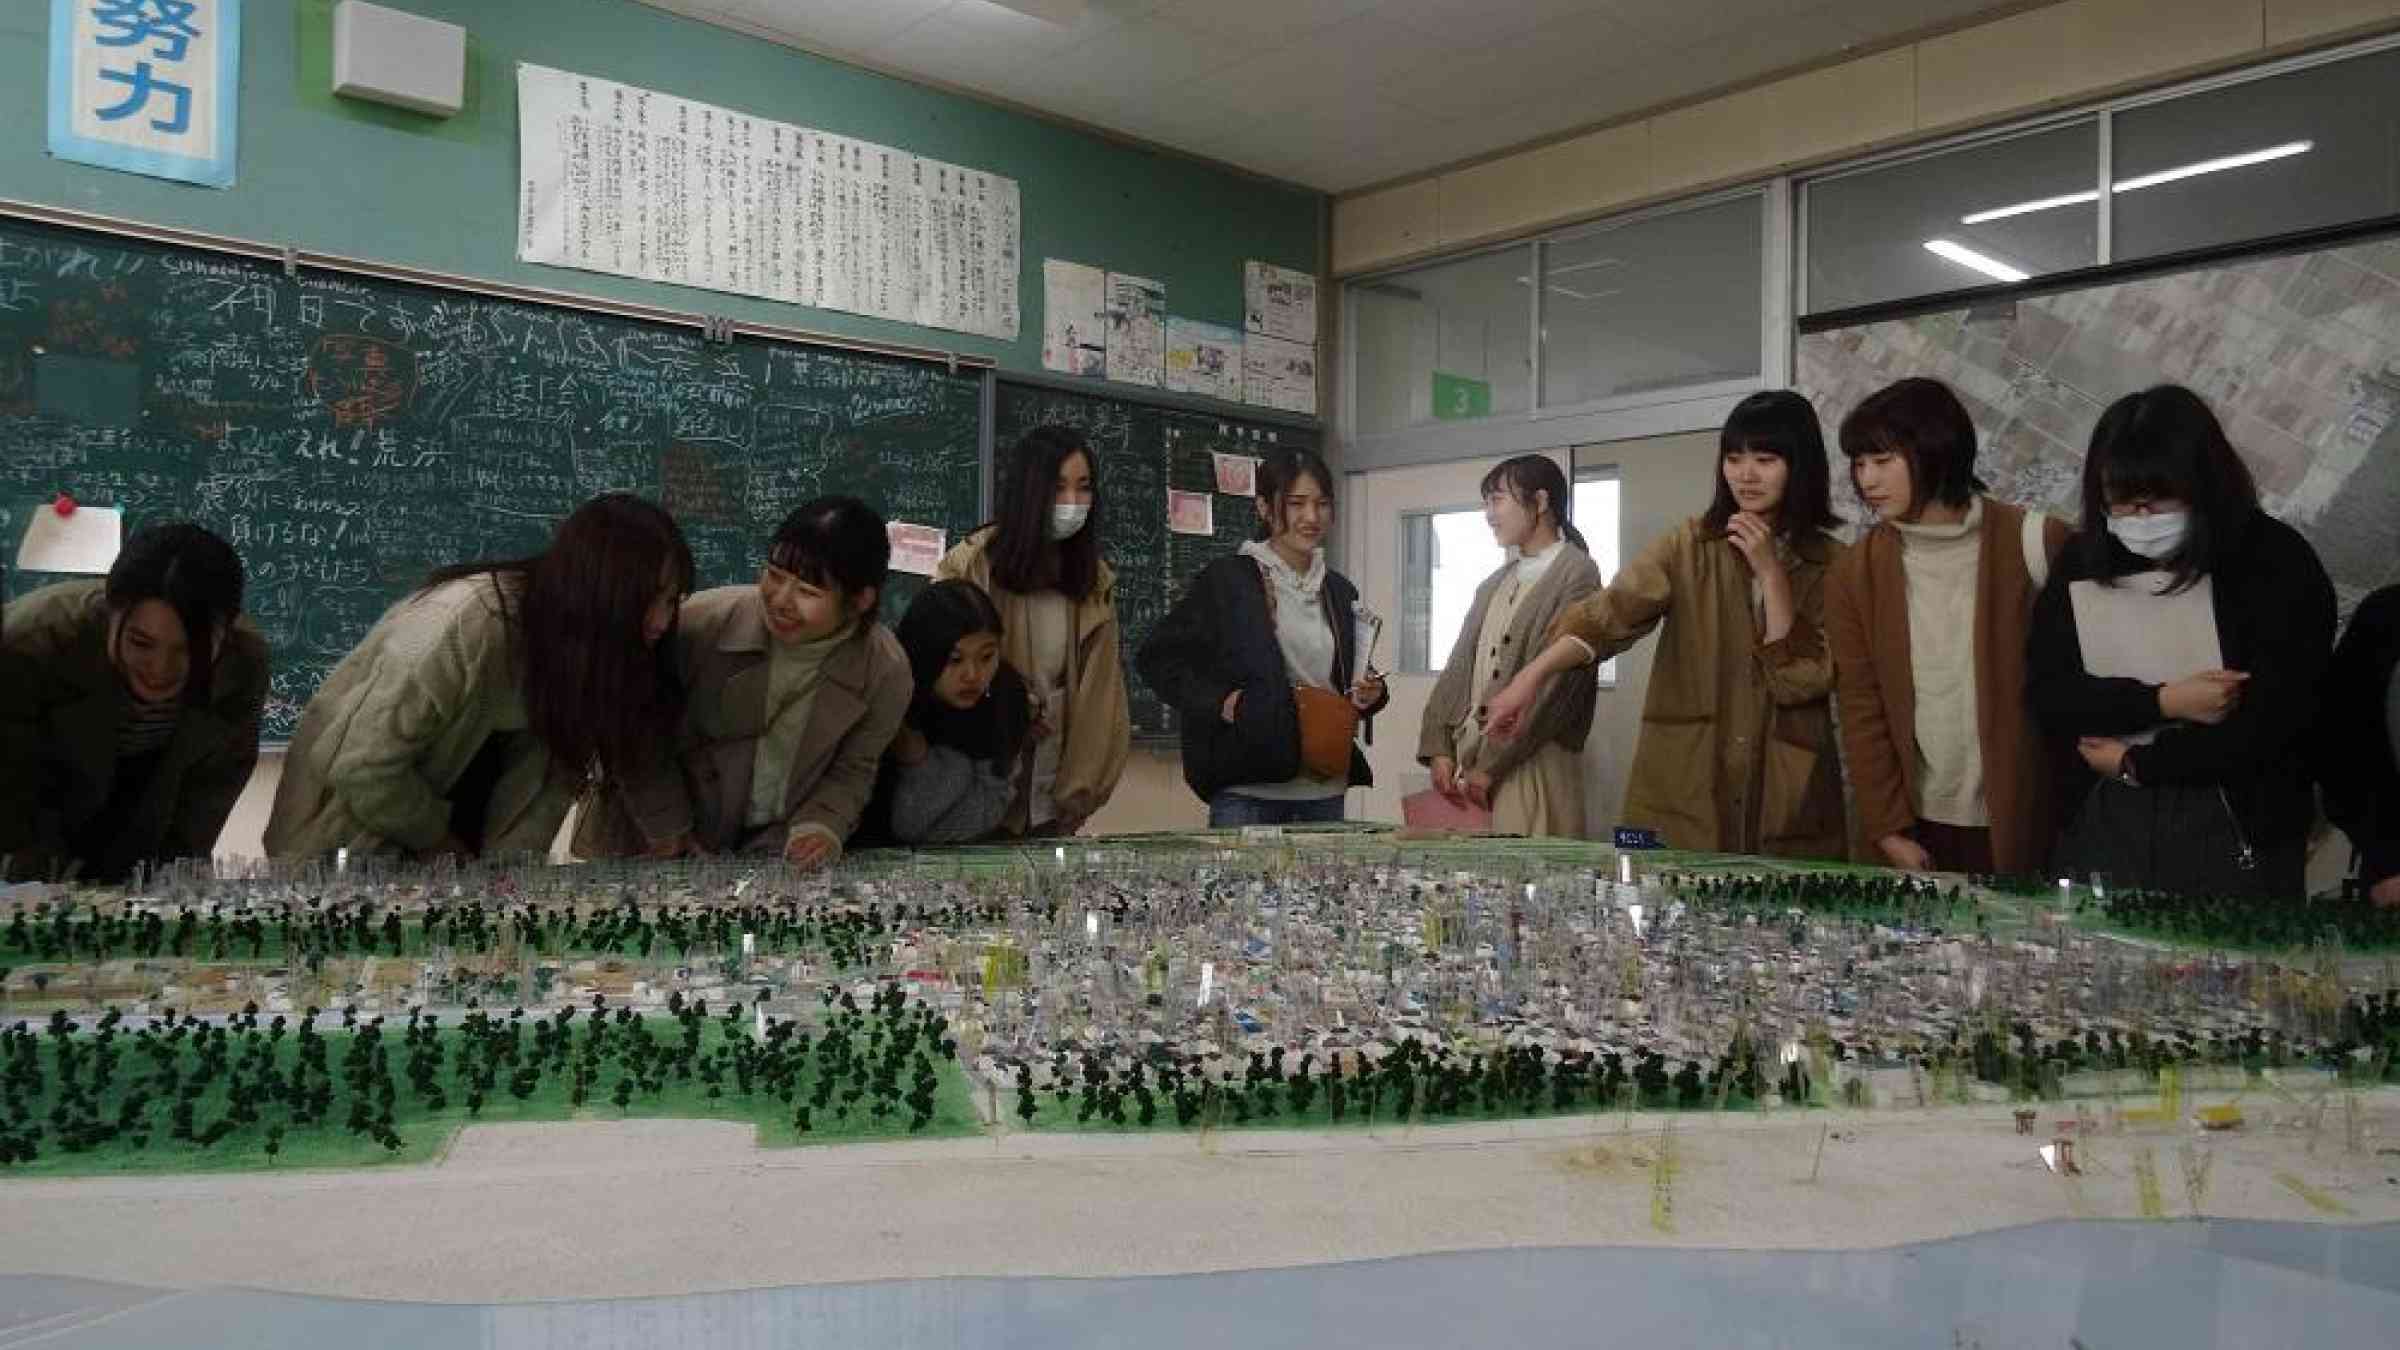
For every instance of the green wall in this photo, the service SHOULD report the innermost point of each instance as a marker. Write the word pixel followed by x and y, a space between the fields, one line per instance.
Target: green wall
pixel 326 174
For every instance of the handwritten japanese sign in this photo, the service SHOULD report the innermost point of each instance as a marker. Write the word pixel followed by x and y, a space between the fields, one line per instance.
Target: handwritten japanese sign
pixel 636 183
pixel 147 86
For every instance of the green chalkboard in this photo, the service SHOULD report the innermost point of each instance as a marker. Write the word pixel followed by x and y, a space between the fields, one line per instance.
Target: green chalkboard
pixel 348 435
pixel 1144 450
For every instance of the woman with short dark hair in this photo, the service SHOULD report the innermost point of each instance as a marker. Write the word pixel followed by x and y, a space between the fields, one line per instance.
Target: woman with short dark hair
pixel 1736 748
pixel 1926 618
pixel 1039 560
pixel 129 710
pixel 794 692
pixel 477 709
pixel 2181 646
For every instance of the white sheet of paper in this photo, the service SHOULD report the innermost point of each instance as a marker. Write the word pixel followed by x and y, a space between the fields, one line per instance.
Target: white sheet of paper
pixel 86 540
pixel 1279 302
pixel 1137 329
pixel 1074 318
pixel 2129 631
pixel 1277 374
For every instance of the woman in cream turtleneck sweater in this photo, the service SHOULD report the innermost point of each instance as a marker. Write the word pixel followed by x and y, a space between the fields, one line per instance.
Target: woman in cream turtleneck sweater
pixel 1927 619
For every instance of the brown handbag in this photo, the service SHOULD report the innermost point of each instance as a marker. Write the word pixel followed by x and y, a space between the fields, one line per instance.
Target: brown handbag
pixel 1328 720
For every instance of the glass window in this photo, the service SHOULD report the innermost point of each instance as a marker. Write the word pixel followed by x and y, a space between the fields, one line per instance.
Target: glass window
pixel 1445 555
pixel 1595 515
pixel 1998 211
pixel 1448 554
pixel 2250 161
pixel 1445 343
pixel 1653 304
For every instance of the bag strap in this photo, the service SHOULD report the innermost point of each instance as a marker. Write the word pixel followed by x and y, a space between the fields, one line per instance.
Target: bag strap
pixel 2037 548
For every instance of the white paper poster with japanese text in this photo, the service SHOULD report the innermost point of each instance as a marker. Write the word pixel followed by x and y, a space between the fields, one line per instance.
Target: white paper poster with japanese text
pixel 1137 329
pixel 1279 374
pixel 1279 302
pixel 626 181
pixel 147 86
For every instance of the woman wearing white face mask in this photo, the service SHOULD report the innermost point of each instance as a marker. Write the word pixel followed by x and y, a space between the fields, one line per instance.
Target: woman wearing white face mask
pixel 1040 563
pixel 2180 645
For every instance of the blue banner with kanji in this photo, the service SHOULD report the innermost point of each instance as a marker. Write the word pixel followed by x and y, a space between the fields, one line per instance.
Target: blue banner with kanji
pixel 147 86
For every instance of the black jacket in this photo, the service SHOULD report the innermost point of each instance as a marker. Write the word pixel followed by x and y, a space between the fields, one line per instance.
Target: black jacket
pixel 2275 622
pixel 2352 748
pixel 1219 638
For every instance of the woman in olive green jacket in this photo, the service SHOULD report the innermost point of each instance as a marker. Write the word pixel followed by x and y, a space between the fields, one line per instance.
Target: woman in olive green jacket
pixel 476 710
pixel 129 710
pixel 1737 747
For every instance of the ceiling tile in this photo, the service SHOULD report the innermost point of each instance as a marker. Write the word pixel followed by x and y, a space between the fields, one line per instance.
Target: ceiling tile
pixel 1130 60
pixel 1256 22
pixel 831 25
pixel 972 43
pixel 1472 23
pixel 1351 59
pixel 1566 55
pixel 1685 23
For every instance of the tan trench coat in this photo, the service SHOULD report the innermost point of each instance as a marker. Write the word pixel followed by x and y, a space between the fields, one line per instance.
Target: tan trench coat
pixel 724 653
pixel 1099 728
pixel 1736 751
pixel 399 721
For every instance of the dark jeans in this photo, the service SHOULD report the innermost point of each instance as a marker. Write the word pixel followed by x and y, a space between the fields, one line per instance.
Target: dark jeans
pixel 1230 808
pixel 1956 848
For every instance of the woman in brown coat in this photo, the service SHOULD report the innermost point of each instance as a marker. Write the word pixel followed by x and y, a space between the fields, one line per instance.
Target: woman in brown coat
pixel 1928 618
pixel 1736 749
pixel 129 710
pixel 1040 563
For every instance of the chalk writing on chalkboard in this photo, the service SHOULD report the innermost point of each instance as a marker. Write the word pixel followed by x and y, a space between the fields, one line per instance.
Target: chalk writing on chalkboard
pixel 347 436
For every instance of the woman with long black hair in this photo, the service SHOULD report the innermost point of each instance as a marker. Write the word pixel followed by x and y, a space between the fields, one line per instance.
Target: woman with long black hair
pixel 1736 750
pixel 478 708
pixel 2181 642
pixel 1039 561
pixel 129 710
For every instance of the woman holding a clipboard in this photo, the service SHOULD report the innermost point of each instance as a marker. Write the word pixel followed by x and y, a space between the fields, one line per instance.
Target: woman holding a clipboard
pixel 1266 660
pixel 2180 643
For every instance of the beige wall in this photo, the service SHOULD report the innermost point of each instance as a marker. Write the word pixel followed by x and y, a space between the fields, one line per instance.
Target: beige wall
pixel 2048 57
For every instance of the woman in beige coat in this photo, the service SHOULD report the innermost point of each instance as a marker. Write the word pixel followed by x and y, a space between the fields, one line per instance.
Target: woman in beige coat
pixel 1736 750
pixel 794 693
pixel 476 709
pixel 1040 563
pixel 1532 783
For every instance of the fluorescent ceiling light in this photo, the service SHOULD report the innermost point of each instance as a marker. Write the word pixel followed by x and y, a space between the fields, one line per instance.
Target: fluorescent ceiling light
pixel 1975 262
pixel 2272 152
pixel 2218 165
pixel 2028 208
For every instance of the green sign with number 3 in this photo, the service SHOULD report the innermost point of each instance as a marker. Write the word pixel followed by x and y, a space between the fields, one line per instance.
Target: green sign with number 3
pixel 1456 396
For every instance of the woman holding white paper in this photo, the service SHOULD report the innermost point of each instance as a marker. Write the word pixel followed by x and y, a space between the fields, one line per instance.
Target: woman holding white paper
pixel 2180 643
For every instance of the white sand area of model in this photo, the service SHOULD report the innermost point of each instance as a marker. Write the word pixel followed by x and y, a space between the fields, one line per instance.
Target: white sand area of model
pixel 602 1209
